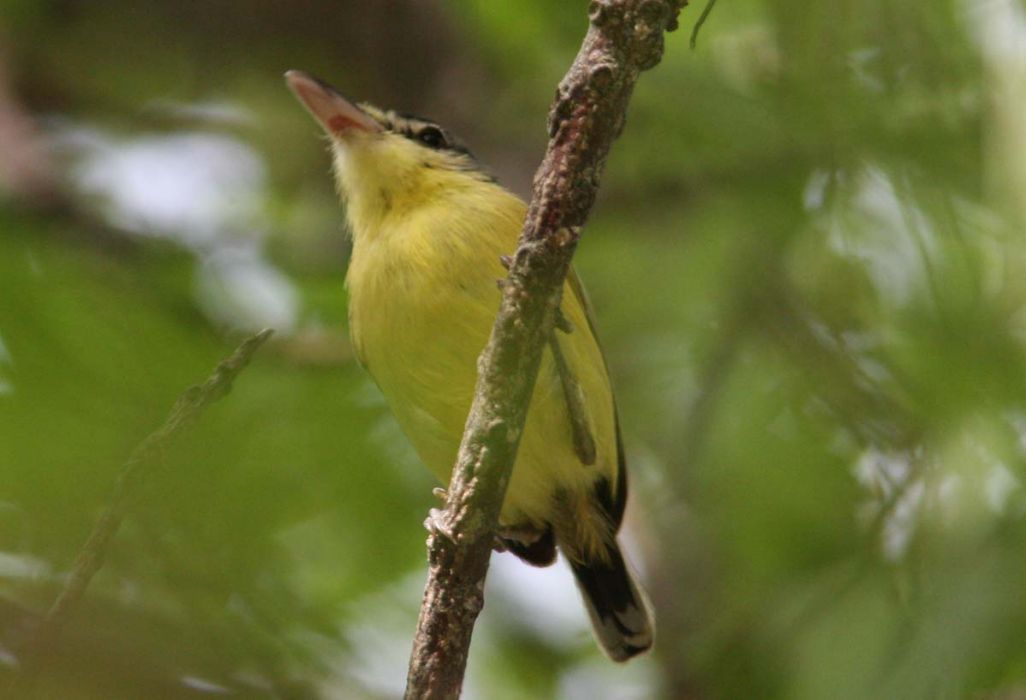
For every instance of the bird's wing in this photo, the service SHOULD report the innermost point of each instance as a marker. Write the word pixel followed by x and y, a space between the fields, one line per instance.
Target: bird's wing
pixel 614 500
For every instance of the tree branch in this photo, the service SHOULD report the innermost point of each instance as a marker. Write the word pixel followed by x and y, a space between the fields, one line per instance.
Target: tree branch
pixel 147 455
pixel 624 38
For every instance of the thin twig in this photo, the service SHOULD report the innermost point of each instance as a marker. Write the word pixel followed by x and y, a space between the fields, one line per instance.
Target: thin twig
pixel 147 455
pixel 701 21
pixel 625 37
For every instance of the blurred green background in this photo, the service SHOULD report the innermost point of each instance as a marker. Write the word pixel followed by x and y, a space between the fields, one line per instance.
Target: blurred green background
pixel 808 268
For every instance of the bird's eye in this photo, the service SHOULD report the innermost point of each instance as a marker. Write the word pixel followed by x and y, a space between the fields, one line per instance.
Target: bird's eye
pixel 431 137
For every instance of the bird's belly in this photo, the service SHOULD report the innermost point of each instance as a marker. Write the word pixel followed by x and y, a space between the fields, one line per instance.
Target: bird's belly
pixel 421 345
pixel 422 351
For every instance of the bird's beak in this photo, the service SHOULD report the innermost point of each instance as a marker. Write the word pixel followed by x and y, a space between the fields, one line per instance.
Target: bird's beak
pixel 337 115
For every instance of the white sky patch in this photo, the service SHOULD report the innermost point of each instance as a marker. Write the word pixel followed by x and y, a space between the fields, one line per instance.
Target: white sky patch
pixel 205 191
pixel 238 287
pixel 966 481
pixel 380 637
pixel 546 601
pixel 892 484
pixel 863 62
pixel 887 235
pixel 1017 420
pixel 542 600
pixel 1000 30
pixel 192 187
pixel 599 679
pixel 211 112
pixel 901 523
pixel 204 686
pixel 22 566
pixel 882 472
pixel 815 193
pixel 999 486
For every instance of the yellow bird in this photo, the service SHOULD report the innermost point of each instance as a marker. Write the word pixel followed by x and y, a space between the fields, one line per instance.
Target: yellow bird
pixel 430 228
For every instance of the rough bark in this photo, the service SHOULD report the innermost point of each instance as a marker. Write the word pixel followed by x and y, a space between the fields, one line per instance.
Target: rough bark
pixel 624 38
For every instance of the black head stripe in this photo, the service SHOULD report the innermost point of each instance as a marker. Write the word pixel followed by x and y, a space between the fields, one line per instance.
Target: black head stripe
pixel 432 137
pixel 429 134
pixel 422 131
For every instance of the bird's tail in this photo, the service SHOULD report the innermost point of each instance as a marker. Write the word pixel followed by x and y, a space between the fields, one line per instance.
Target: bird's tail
pixel 619 611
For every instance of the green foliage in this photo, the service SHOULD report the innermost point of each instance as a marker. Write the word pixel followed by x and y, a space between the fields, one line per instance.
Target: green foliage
pixel 806 264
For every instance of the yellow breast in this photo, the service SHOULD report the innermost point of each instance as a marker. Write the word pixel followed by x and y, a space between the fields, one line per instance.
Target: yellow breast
pixel 423 299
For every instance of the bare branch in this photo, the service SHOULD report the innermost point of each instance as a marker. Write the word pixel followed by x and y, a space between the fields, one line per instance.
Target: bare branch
pixel 625 37
pixel 147 455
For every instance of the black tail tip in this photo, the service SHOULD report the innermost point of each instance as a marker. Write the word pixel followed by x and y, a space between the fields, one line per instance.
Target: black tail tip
pixel 620 613
pixel 623 634
pixel 626 652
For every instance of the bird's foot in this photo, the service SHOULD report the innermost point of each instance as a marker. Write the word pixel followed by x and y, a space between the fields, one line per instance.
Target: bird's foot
pixel 524 535
pixel 535 545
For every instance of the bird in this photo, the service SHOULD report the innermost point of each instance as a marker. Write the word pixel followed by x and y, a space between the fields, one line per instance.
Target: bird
pixel 431 234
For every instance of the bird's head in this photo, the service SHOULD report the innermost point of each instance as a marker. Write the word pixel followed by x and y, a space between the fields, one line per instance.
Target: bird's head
pixel 385 163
